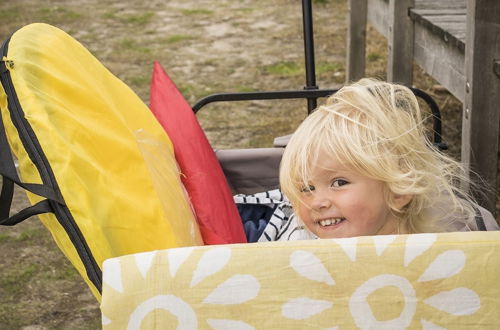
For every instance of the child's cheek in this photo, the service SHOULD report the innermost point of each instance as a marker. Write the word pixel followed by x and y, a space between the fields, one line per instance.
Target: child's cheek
pixel 304 213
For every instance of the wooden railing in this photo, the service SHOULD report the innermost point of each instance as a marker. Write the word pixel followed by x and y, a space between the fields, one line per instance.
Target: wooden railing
pixel 458 43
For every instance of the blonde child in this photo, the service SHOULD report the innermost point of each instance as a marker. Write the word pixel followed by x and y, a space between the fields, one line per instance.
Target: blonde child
pixel 362 165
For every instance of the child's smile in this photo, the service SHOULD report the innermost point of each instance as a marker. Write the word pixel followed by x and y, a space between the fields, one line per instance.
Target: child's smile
pixel 339 202
pixel 330 222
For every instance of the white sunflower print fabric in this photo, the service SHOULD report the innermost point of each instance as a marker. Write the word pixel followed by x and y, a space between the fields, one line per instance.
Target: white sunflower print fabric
pixel 421 281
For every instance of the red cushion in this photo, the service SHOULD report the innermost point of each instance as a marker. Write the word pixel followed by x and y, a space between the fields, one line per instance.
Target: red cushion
pixel 211 197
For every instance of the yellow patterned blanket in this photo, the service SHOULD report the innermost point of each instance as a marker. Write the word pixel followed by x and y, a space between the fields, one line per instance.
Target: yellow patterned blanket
pixel 429 281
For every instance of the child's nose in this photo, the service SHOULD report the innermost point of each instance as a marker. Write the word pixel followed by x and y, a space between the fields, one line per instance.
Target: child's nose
pixel 321 201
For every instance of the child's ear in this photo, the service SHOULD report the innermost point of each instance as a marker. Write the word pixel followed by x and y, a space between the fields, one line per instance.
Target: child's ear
pixel 401 201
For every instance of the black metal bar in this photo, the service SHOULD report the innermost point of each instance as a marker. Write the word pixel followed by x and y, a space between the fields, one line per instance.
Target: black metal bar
pixel 316 93
pixel 436 114
pixel 307 21
pixel 274 95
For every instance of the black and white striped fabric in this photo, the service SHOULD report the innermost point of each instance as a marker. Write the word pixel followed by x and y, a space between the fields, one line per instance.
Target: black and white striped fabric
pixel 283 224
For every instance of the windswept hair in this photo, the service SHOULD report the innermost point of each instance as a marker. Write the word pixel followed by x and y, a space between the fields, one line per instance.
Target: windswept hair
pixel 377 130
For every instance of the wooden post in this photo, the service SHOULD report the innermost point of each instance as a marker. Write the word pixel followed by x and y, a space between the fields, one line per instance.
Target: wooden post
pixel 481 112
pixel 356 39
pixel 400 57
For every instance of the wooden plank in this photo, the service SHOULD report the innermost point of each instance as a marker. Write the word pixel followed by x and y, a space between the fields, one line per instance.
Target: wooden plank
pixel 400 42
pixel 481 115
pixel 451 28
pixel 437 4
pixel 440 11
pixel 356 39
pixel 378 15
pixel 441 59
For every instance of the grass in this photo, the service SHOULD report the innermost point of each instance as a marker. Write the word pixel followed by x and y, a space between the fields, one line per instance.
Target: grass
pixel 10 13
pixel 245 89
pixel 29 235
pixel 15 279
pixel 58 14
pixel 135 19
pixel 178 38
pixel 140 80
pixel 4 237
pixel 328 67
pixel 374 56
pixel 284 68
pixel 132 45
pixel 138 19
pixel 191 12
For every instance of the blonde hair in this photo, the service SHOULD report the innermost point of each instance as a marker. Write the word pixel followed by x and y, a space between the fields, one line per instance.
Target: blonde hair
pixel 377 130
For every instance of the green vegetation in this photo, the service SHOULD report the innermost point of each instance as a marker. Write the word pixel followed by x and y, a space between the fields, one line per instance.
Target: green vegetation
pixel 178 37
pixel 67 272
pixel 13 280
pixel 328 67
pixel 4 237
pixel 139 19
pixel 109 14
pixel 373 56
pixel 57 14
pixel 139 80
pixel 10 13
pixel 29 235
pixel 245 89
pixel 189 12
pixel 129 44
pixel 136 19
pixel 186 89
pixel 284 68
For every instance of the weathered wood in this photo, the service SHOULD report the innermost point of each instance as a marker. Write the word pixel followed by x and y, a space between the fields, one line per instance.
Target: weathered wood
pixel 441 59
pixel 449 24
pixel 400 42
pixel 455 41
pixel 481 115
pixel 356 40
pixel 378 15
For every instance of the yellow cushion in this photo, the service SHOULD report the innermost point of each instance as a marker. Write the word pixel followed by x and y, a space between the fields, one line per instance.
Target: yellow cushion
pixel 423 280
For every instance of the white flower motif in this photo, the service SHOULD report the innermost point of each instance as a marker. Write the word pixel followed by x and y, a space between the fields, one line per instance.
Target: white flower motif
pixel 426 325
pixel 144 261
pixel 361 310
pixel 349 246
pixel 459 301
pixel 178 307
pixel 309 266
pixel 176 258
pixel 303 308
pixel 382 242
pixel 416 245
pixel 210 263
pixel 112 274
pixel 105 320
pixel 445 265
pixel 236 290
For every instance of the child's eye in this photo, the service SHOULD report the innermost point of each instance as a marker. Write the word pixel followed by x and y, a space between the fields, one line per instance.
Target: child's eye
pixel 339 182
pixel 305 189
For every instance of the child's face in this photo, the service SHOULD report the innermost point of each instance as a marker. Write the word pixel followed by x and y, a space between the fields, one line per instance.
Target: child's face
pixel 342 203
